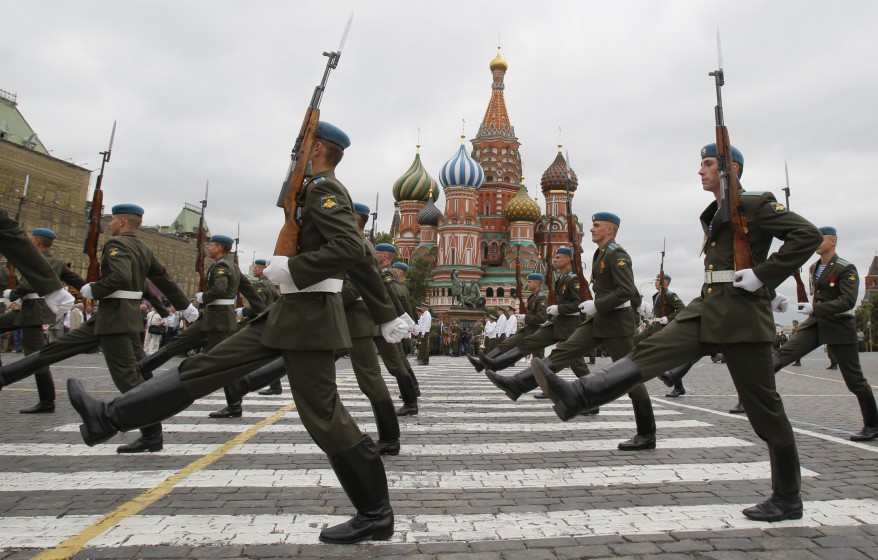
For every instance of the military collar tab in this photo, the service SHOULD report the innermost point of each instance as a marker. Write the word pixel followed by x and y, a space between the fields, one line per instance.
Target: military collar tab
pixel 612 245
pixel 753 193
pixel 841 261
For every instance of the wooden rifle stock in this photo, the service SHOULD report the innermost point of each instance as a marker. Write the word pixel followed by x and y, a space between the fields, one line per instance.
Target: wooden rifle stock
pixel 741 245
pixel 584 289
pixel 801 293
pixel 521 307
pixel 288 238
pixel 94 232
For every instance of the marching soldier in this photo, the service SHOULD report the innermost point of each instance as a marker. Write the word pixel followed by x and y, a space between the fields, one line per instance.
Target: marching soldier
pixel 305 326
pixel 733 315
pixel 34 313
pixel 663 316
pixel 269 293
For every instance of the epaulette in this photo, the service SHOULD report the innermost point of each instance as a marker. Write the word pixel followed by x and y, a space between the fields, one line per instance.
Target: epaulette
pixel 842 262
pixel 613 245
pixel 754 193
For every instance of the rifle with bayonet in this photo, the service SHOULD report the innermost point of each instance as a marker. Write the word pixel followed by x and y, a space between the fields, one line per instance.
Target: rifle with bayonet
pixel 550 282
pixel 374 221
pixel 90 247
pixel 730 207
pixel 663 304
pixel 584 290
pixel 288 239
pixel 801 293
pixel 239 301
pixel 199 244
pixel 521 306
pixel 10 281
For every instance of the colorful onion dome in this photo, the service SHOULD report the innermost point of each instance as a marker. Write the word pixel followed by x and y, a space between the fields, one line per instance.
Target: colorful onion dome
pixel 499 63
pixel 555 177
pixel 429 214
pixel 462 170
pixel 522 208
pixel 415 183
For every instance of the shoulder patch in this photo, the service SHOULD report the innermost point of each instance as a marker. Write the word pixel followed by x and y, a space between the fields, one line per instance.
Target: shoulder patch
pixel 328 203
pixel 221 272
pixel 852 277
pixel 620 262
pixel 778 208
pixel 113 252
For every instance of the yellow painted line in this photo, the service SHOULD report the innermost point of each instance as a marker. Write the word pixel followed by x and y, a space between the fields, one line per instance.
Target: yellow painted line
pixel 76 543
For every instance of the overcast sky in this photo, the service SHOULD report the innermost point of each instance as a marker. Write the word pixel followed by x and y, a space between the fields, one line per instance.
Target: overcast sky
pixel 217 90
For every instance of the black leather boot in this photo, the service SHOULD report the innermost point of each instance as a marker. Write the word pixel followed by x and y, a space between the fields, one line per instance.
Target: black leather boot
pixel 502 361
pixel 21 369
pixel 737 409
pixel 145 405
pixel 150 440
pixel 233 406
pixel 870 419
pixel 477 361
pixel 146 366
pixel 409 399
pixel 645 420
pixel 40 407
pixel 674 376
pixel 388 427
pixel 786 480
pixel 361 474
pixel 261 377
pixel 515 385
pixel 415 383
pixel 274 388
pixel 603 386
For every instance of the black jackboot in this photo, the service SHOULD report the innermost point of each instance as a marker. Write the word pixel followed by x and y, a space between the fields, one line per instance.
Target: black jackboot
pixel 870 419
pixel 388 427
pixel 261 377
pixel 503 361
pixel 274 388
pixel 233 405
pixel 674 376
pixel 361 474
pixel 415 383
pixel 786 480
pixel 477 361
pixel 645 420
pixel 586 393
pixel 40 407
pixel 409 399
pixel 516 385
pixel 146 366
pixel 17 371
pixel 150 440
pixel 143 406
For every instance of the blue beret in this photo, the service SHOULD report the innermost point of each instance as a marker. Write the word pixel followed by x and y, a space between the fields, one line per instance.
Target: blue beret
pixel 385 247
pixel 828 230
pixel 127 209
pixel 710 151
pixel 400 265
pixel 564 251
pixel 334 134
pixel 535 276
pixel 606 217
pixel 261 262
pixel 222 239
pixel 360 208
pixel 667 276
pixel 44 232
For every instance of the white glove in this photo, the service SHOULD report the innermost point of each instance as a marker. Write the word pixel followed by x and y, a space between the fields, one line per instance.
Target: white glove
pixel 278 270
pixel 520 317
pixel 645 309
pixel 239 313
pixel 663 321
pixel 6 293
pixel 394 331
pixel 806 308
pixel 199 297
pixel 588 307
pixel 59 301
pixel 408 319
pixel 85 292
pixel 552 310
pixel 780 303
pixel 413 329
pixel 747 280
pixel 190 314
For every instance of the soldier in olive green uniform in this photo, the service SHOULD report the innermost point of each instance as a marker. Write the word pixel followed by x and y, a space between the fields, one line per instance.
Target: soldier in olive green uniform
pixel 34 313
pixel 733 315
pixel 664 315
pixel 834 286
pixel 565 317
pixel 269 294
pixel 305 326
pixel 126 263
pixel 610 323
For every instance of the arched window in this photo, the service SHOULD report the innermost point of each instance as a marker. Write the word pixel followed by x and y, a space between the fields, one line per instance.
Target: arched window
pixel 500 292
pixel 484 249
pixel 487 208
pixel 489 292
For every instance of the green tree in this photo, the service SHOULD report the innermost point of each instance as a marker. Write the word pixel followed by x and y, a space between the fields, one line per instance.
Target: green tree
pixel 417 281
pixel 866 321
pixel 383 237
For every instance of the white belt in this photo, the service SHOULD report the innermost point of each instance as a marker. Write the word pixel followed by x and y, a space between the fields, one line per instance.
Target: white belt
pixel 32 295
pixel 624 305
pixel 222 302
pixel 330 285
pixel 577 314
pixel 125 294
pixel 718 276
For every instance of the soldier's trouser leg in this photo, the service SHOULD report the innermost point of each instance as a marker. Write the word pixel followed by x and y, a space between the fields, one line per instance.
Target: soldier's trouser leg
pixel 800 343
pixel 397 365
pixel 190 339
pixel 424 348
pixel 34 341
pixel 75 342
pixel 368 373
pixel 644 418
pixel 510 342
pixel 408 367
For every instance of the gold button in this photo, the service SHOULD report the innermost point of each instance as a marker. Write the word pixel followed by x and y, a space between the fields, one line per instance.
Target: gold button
pixel 710 267
pixel 709 290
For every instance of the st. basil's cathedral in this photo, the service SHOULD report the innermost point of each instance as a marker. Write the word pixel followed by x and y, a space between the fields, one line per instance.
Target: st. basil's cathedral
pixel 490 221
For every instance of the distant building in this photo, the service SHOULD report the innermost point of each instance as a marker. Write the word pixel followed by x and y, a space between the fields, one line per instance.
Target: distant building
pixel 872 280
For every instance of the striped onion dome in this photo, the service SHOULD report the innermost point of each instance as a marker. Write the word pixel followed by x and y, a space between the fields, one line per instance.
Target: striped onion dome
pixel 462 170
pixel 555 177
pixel 415 183
pixel 522 208
pixel 429 214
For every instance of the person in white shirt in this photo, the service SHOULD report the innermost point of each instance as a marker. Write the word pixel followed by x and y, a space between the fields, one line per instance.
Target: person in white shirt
pixel 500 327
pixel 512 323
pixel 155 329
pixel 489 334
pixel 425 321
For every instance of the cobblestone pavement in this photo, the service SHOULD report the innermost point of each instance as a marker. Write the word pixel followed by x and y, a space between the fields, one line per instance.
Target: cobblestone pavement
pixel 479 477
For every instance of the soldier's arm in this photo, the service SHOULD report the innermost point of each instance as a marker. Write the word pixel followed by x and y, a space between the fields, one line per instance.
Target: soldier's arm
pixel 674 302
pixel 16 247
pixel 571 298
pixel 71 278
pixel 256 303
pixel 116 276
pixel 163 281
pixel 848 284
pixel 624 289
pixel 156 303
pixel 368 283
pixel 218 283
pixel 539 316
pixel 349 293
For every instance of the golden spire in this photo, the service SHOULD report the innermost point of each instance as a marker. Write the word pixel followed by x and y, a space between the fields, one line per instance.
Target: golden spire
pixel 499 63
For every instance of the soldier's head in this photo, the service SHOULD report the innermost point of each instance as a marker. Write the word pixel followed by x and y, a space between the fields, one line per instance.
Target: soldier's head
pixel 385 252
pixel 126 218
pixel 562 259
pixel 604 227
pixel 400 268
pixel 361 212
pixel 830 239
pixel 329 146
pixel 219 246
pixel 658 280
pixel 43 238
pixel 535 282
pixel 709 170
pixel 258 268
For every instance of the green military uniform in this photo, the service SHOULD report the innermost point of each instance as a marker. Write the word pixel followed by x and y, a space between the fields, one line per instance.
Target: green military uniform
pixel 34 313
pixel 393 355
pixel 19 250
pixel 673 305
pixel 535 316
pixel 268 293
pixel 455 339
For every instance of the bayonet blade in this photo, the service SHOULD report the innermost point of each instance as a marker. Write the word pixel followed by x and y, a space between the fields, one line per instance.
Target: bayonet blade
pixel 345 36
pixel 719 49
pixel 26 183
pixel 112 137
